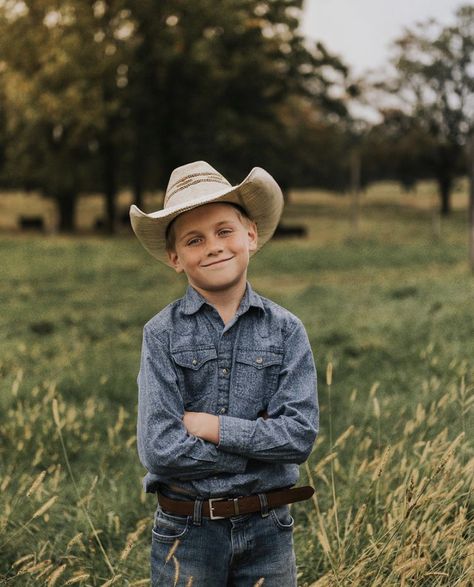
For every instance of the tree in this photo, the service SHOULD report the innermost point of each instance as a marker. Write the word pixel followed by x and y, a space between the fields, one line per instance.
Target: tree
pixel 435 80
pixel 62 96
pixel 111 93
pixel 397 148
pixel 222 80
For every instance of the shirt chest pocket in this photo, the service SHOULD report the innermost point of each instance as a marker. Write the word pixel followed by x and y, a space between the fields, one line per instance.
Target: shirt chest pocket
pixel 257 373
pixel 197 374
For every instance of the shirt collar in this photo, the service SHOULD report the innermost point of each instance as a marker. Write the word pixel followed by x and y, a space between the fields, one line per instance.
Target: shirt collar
pixel 193 301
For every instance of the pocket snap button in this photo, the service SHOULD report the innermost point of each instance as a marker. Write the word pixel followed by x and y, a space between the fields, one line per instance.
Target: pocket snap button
pixel 259 360
pixel 195 362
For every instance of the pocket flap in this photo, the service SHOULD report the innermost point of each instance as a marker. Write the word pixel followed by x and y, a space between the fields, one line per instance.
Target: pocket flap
pixel 259 358
pixel 193 359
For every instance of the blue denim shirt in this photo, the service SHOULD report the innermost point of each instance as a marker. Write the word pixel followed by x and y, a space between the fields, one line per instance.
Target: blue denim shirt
pixel 259 361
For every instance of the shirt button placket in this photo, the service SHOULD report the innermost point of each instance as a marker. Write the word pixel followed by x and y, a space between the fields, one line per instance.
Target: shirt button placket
pixel 224 363
pixel 224 379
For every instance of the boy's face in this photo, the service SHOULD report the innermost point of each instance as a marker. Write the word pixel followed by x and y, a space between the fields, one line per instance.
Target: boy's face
pixel 213 246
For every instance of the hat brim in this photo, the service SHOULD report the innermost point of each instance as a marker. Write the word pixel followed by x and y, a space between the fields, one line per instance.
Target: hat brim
pixel 259 194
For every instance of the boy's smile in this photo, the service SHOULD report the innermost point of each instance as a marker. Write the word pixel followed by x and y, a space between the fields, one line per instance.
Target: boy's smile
pixel 212 246
pixel 217 262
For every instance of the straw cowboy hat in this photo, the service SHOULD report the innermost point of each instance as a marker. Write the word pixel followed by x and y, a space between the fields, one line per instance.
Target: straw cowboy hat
pixel 198 183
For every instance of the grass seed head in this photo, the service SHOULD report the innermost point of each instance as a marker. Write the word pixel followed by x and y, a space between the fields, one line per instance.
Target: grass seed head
pixel 78 578
pixel 55 409
pixel 176 571
pixel 329 369
pixel 53 578
pixel 21 560
pixel 36 484
pixel 359 517
pixel 172 550
pixel 323 540
pixel 45 507
pixel 344 436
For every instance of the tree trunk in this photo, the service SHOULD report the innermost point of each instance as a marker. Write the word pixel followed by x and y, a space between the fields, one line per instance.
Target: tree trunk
pixel 66 202
pixel 435 217
pixel 138 191
pixel 444 185
pixel 138 171
pixel 141 150
pixel 110 184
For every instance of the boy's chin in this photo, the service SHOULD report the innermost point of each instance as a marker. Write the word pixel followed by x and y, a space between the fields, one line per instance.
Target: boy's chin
pixel 219 283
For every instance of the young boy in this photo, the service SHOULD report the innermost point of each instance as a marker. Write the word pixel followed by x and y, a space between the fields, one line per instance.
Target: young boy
pixel 227 403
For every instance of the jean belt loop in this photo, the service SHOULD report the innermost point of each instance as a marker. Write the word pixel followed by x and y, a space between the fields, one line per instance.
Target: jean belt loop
pixel 197 514
pixel 263 505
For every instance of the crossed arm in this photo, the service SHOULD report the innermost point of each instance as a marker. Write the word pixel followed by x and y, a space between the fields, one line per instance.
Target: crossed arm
pixel 205 426
pixel 199 444
pixel 202 425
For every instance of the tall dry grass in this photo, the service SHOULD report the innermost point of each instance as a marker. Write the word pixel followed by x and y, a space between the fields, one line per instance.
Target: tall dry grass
pixel 391 312
pixel 54 516
pixel 397 514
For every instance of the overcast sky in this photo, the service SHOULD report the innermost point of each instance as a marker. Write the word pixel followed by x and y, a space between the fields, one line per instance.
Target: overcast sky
pixel 360 31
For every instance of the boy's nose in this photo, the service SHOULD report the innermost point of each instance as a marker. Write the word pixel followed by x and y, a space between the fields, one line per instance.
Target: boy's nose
pixel 214 248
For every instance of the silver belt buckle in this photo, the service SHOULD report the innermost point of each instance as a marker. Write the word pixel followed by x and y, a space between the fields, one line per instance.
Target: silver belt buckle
pixel 211 508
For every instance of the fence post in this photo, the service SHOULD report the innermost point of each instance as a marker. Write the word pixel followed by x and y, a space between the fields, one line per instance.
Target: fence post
pixel 355 165
pixel 470 165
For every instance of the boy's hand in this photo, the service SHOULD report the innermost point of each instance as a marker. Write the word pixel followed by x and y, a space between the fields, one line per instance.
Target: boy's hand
pixel 203 425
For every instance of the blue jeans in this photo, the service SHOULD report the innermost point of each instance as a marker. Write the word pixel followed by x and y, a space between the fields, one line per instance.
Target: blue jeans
pixel 241 551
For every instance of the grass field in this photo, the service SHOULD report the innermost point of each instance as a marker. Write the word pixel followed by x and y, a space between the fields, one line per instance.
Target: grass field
pixel 390 315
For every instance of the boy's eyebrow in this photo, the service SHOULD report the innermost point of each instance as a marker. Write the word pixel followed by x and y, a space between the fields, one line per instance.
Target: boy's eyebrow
pixel 196 231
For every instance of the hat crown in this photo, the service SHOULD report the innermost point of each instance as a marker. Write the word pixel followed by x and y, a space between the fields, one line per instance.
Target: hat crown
pixel 192 181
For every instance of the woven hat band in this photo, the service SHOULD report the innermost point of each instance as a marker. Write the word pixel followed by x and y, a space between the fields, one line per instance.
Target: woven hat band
pixel 192 191
pixel 194 186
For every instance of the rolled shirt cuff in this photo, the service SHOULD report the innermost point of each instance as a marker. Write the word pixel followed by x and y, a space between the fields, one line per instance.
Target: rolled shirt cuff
pixel 235 434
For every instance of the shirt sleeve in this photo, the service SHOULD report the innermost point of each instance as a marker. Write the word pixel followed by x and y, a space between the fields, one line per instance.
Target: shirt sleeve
pixel 164 446
pixel 288 434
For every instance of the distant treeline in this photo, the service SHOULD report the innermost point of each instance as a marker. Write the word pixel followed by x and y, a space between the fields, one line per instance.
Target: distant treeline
pixel 98 96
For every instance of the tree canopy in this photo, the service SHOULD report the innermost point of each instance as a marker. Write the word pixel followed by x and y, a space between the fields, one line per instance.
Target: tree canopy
pixel 111 93
pixel 435 83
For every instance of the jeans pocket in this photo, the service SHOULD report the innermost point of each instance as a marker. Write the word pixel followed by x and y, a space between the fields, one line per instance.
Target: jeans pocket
pixel 282 517
pixel 169 527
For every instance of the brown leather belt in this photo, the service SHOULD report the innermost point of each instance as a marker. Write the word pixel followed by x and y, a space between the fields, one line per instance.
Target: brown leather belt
pixel 225 507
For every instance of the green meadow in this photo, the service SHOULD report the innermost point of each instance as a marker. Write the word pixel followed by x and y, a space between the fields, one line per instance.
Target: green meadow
pixel 389 310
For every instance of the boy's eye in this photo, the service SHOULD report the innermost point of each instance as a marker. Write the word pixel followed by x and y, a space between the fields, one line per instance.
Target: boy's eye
pixel 197 239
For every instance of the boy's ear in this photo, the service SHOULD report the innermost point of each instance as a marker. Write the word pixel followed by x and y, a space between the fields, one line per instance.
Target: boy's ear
pixel 174 259
pixel 253 236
